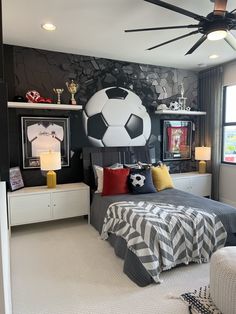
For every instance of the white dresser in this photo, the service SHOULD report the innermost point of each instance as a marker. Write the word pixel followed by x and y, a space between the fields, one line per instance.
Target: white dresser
pixel 193 182
pixel 36 204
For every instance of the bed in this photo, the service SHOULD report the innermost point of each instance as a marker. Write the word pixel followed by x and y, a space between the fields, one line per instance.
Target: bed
pixel 133 268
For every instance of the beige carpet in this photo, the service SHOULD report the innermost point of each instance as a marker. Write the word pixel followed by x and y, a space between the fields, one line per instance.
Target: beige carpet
pixel 64 268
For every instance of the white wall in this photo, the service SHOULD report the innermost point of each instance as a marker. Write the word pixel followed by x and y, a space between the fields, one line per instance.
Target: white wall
pixel 229 75
pixel 5 282
pixel 227 192
pixel 227 188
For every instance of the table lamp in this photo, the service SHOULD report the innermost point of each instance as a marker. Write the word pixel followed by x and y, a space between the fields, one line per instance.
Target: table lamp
pixel 50 161
pixel 202 154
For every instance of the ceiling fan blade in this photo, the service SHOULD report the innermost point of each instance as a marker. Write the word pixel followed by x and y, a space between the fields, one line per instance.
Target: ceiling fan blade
pixel 220 7
pixel 177 9
pixel 170 41
pixel 231 40
pixel 197 44
pixel 159 28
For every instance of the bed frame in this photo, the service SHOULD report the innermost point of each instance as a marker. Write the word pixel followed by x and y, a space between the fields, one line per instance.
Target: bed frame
pixel 106 156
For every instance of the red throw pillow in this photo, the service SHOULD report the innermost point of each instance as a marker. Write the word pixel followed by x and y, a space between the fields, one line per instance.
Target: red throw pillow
pixel 115 181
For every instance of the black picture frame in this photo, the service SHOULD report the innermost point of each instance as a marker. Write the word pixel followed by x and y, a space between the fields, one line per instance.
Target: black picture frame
pixel 42 134
pixel 177 140
pixel 15 179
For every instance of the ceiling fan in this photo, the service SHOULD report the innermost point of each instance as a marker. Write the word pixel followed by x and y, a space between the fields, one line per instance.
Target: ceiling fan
pixel 216 25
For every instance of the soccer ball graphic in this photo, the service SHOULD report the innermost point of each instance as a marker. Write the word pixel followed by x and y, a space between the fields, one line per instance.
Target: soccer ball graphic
pixel 137 180
pixel 116 117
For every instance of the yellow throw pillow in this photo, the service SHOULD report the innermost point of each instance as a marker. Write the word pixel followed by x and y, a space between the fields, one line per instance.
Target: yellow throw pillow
pixel 161 178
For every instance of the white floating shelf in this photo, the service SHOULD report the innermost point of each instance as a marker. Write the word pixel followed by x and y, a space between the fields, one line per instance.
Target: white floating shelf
pixel 182 112
pixel 28 105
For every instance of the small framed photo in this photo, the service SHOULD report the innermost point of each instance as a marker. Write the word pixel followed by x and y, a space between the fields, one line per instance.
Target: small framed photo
pixel 42 134
pixel 16 181
pixel 177 139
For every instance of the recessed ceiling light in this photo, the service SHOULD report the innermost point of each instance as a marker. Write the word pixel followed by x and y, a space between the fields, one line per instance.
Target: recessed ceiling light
pixel 214 56
pixel 49 27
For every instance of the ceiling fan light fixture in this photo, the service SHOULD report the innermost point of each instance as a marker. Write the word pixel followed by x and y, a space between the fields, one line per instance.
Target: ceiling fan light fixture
pixel 217 34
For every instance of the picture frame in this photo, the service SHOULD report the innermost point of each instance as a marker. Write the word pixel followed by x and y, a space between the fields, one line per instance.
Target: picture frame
pixel 42 134
pixel 15 179
pixel 177 140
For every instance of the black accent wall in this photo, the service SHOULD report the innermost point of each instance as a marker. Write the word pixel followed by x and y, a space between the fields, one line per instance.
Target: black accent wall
pixel 4 154
pixel 34 69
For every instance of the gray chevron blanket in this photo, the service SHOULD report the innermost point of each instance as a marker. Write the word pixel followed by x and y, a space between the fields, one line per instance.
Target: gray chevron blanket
pixel 164 235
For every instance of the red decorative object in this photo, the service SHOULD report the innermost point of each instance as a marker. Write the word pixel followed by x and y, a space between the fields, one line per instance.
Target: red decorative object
pixel 44 100
pixel 115 181
pixel 34 97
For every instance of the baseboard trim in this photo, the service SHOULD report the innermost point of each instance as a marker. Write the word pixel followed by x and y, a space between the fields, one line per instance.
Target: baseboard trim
pixel 229 202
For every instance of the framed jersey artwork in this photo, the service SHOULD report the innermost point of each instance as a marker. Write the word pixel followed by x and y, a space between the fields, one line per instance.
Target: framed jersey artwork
pixel 177 139
pixel 43 134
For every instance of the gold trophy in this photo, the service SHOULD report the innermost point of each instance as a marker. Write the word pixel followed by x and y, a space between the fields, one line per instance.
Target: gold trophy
pixel 58 91
pixel 72 88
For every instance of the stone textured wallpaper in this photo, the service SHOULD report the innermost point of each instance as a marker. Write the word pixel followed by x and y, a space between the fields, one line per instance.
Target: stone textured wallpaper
pixel 41 70
pixel 44 70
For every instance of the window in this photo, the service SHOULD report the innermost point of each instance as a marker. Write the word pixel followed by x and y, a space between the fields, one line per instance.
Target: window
pixel 229 125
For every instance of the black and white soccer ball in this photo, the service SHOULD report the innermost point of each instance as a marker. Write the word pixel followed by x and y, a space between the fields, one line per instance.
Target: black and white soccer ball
pixel 115 116
pixel 137 179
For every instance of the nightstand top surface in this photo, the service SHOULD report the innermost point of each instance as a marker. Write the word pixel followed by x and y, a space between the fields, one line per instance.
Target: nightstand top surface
pixel 189 174
pixel 45 189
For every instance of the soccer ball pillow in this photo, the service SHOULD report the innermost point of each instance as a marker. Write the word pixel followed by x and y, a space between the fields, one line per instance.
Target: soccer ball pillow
pixel 140 181
pixel 115 116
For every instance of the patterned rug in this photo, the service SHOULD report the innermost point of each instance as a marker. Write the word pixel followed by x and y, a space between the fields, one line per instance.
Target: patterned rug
pixel 200 301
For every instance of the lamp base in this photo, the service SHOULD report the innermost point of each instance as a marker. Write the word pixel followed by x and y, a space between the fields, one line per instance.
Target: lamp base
pixel 51 179
pixel 202 166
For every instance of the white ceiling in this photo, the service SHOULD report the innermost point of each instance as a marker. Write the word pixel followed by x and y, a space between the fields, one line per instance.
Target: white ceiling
pixel 96 28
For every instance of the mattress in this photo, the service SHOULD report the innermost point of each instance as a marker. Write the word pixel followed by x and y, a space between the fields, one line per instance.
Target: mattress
pixel 132 266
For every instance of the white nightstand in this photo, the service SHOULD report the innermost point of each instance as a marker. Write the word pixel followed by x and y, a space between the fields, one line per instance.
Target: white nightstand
pixel 36 204
pixel 193 182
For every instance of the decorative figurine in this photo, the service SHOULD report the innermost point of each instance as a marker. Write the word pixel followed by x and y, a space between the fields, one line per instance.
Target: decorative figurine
pixel 174 105
pixel 72 88
pixel 182 99
pixel 58 91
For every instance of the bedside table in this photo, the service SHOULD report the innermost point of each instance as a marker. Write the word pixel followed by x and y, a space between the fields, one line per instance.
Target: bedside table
pixel 193 182
pixel 36 204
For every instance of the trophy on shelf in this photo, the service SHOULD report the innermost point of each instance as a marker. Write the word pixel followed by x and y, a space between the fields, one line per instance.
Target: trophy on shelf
pixel 58 91
pixel 72 88
pixel 182 99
